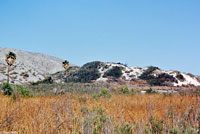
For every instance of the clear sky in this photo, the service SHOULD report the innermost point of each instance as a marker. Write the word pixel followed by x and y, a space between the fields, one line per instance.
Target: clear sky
pixel 163 33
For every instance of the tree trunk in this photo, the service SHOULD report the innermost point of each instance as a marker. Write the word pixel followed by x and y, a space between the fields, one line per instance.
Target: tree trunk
pixel 8 75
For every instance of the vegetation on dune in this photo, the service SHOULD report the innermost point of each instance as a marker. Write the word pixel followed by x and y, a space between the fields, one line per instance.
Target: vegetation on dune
pixel 92 65
pixel 161 80
pixel 115 72
pixel 157 80
pixel 180 77
pixel 146 75
pixel 87 73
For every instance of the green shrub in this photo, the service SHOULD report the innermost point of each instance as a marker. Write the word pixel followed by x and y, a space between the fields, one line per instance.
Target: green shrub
pixel 115 72
pixel 125 128
pixel 180 77
pixel 159 80
pixel 96 96
pixel 147 75
pixel 95 121
pixel 87 73
pixel 104 93
pixel 191 130
pixel 174 131
pixel 22 91
pixel 156 126
pixel 99 120
pixel 7 89
pixel 94 64
pixel 124 90
pixel 132 91
pixel 150 91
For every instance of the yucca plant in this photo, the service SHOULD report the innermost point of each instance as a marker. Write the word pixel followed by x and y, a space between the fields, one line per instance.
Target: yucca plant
pixel 10 59
pixel 65 65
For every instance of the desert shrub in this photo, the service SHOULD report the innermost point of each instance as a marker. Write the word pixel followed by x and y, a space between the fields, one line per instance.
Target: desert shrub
pixel 124 90
pixel 115 72
pixel 154 82
pixel 72 69
pixel 173 131
pixel 180 77
pixel 159 80
pixel 94 64
pixel 65 75
pixel 95 121
pixel 146 75
pixel 125 128
pixel 191 130
pixel 87 73
pixel 104 93
pixel 7 89
pixel 23 91
pixel 156 126
pixel 132 91
pixel 150 91
pixel 99 121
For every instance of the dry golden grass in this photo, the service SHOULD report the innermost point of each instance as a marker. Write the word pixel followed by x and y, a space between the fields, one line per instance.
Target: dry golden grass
pixel 63 114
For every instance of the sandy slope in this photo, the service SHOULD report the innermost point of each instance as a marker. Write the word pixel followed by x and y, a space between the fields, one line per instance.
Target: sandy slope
pixel 29 67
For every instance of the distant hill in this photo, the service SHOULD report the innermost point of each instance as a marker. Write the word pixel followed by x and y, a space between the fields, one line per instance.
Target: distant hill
pixel 29 67
pixel 116 72
pixel 33 67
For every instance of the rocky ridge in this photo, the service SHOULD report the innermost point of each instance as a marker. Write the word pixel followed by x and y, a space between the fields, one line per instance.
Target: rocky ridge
pixel 28 67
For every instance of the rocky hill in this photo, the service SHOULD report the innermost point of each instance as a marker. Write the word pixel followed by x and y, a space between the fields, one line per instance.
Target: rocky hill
pixel 116 72
pixel 28 67
pixel 33 67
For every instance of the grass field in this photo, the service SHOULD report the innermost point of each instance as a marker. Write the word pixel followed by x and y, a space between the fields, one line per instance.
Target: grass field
pixel 82 114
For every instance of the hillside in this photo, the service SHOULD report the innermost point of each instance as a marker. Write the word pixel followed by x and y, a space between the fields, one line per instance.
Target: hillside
pixel 117 72
pixel 31 67
pixel 28 67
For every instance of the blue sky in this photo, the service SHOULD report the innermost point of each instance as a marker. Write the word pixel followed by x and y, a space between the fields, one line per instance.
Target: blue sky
pixel 136 32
